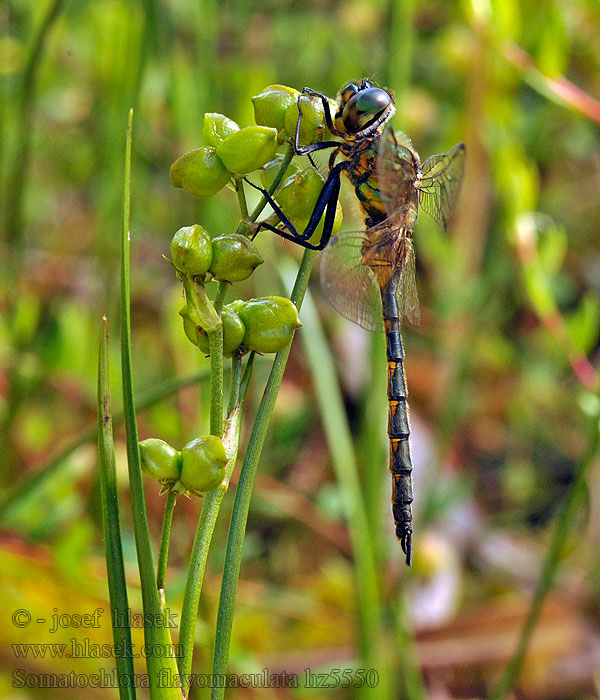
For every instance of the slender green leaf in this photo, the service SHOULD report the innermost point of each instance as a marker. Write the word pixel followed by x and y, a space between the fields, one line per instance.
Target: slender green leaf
pixel 115 568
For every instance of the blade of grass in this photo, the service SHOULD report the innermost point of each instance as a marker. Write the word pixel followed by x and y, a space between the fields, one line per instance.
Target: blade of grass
pixel 241 506
pixel 161 665
pixel 115 569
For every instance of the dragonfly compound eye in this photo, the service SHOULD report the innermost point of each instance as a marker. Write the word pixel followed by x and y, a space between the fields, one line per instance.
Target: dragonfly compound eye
pixel 365 108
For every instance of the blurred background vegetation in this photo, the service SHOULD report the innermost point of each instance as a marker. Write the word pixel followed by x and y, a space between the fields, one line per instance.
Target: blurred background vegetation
pixel 502 379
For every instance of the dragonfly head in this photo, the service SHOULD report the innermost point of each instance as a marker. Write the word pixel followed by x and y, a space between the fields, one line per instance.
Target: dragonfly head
pixel 363 108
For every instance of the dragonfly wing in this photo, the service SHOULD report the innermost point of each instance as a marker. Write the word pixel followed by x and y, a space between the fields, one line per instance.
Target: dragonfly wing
pixel 395 169
pixel 439 185
pixel 350 286
pixel 408 299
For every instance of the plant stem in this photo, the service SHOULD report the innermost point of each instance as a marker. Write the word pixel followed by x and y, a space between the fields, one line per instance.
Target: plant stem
pixel 115 567
pixel 215 345
pixel 165 537
pixel 241 506
pixel 220 297
pixel 199 556
pixel 241 195
pixel 236 378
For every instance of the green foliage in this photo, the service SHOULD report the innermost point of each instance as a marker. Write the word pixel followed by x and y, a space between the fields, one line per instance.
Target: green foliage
pixel 510 294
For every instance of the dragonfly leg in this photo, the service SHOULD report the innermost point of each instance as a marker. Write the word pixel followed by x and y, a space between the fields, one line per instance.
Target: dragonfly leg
pixel 311 148
pixel 326 202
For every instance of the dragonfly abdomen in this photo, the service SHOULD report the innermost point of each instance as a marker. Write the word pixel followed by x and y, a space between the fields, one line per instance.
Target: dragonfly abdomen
pixel 398 425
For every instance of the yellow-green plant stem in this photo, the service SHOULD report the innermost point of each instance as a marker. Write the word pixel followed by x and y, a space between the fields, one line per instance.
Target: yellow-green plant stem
pixel 241 506
pixel 215 346
pixel 165 537
pixel 205 529
pixel 115 568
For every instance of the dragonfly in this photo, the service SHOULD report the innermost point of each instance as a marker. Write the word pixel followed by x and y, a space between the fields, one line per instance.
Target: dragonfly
pixel 369 276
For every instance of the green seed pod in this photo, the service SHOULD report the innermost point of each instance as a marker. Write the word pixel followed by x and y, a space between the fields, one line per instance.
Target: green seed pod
pixel 234 257
pixel 270 323
pixel 248 149
pixel 191 330
pixel 217 127
pixel 191 250
pixel 160 460
pixel 297 198
pixel 203 463
pixel 313 127
pixel 233 333
pixel 200 172
pixel 271 103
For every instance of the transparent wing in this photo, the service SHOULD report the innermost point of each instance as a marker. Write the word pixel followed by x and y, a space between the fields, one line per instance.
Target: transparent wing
pixel 441 177
pixel 350 286
pixel 396 172
pixel 408 299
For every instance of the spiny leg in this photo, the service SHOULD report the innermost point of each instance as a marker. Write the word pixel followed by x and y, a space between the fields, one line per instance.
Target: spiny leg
pixel 326 202
pixel 311 148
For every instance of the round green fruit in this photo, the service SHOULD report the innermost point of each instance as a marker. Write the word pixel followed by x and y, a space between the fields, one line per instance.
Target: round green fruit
pixel 217 127
pixel 203 464
pixel 270 323
pixel 160 460
pixel 234 257
pixel 271 103
pixel 248 149
pixel 191 250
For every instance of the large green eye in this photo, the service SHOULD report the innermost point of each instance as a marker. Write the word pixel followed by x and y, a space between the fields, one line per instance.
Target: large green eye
pixel 364 107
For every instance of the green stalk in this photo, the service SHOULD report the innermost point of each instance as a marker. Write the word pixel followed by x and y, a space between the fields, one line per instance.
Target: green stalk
pixel 162 667
pixel 339 440
pixel 241 195
pixel 115 569
pixel 199 556
pixel 241 506
pixel 215 346
pixel 236 381
pixel 165 537
pixel 400 43
pixel 565 519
